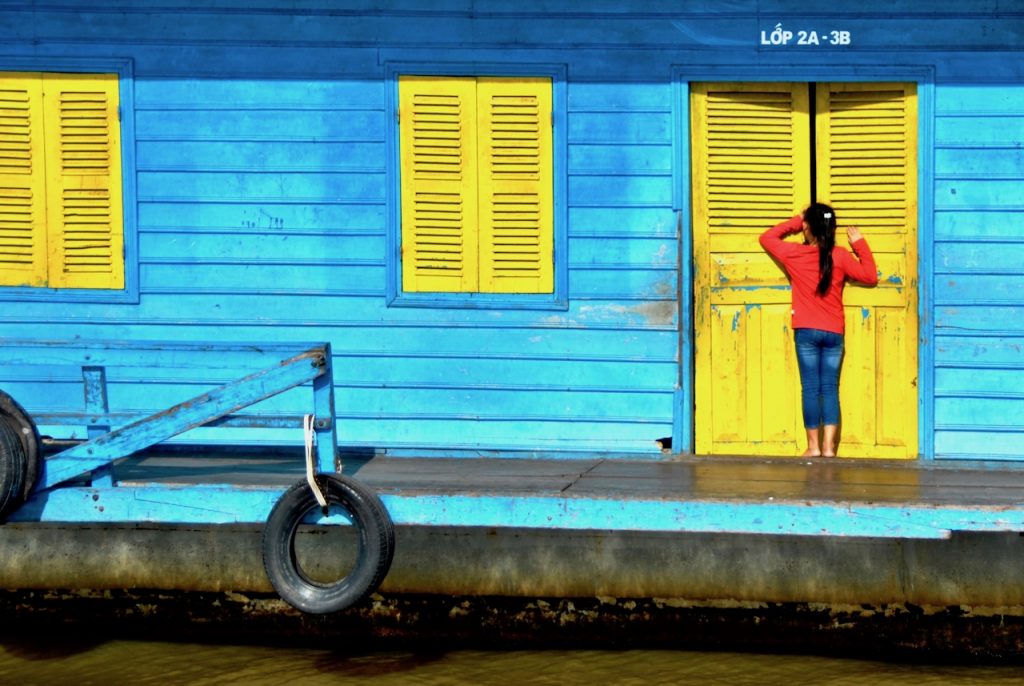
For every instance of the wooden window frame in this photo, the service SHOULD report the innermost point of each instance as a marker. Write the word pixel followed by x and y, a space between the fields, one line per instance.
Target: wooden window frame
pixel 123 68
pixel 558 298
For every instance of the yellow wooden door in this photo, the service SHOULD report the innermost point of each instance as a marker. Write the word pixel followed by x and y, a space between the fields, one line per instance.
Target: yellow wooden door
pixel 867 170
pixel 751 167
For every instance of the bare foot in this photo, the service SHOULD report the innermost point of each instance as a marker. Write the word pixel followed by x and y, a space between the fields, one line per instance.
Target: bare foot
pixel 811 453
pixel 828 441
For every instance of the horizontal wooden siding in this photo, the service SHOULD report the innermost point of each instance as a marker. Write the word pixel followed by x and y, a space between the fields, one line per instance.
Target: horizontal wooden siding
pixel 262 185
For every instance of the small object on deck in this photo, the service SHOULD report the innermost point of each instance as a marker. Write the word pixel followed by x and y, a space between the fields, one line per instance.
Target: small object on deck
pixel 375 537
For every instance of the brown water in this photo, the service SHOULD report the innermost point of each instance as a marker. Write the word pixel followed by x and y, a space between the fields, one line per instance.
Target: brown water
pixel 26 662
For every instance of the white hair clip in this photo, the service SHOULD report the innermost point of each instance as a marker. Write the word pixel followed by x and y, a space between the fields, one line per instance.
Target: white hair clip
pixel 827 215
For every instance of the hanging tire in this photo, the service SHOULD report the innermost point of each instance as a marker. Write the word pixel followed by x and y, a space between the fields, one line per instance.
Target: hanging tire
pixel 28 434
pixel 374 535
pixel 12 468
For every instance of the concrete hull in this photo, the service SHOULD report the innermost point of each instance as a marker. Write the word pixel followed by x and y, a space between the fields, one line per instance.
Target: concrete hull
pixel 980 571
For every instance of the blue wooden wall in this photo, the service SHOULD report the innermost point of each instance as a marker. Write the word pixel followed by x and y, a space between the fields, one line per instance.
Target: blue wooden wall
pixel 261 176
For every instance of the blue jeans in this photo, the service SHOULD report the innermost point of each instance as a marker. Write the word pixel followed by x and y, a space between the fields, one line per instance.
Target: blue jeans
pixel 819 355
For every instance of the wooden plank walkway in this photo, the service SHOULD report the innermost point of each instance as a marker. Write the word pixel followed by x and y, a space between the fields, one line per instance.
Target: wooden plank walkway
pixel 995 484
pixel 830 497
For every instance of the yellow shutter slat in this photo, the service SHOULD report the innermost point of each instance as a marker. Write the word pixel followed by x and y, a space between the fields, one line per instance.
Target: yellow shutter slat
pixel 83 167
pixel 516 185
pixel 22 181
pixel 437 132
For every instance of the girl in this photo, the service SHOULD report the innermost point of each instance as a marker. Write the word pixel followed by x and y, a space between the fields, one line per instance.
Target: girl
pixel 817 271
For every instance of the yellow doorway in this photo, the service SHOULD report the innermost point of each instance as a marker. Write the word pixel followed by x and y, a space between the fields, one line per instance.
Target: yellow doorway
pixel 760 151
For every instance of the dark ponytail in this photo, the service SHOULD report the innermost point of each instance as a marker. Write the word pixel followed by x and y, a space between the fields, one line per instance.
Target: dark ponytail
pixel 822 221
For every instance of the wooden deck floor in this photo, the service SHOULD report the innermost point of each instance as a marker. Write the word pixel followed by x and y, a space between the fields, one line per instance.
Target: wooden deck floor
pixel 746 479
pixel 714 494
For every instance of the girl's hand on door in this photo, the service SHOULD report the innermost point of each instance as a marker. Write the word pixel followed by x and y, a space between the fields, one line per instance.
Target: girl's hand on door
pixel 854 234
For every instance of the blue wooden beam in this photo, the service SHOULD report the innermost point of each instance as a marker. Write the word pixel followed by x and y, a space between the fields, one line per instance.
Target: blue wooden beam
pixel 324 425
pixel 257 421
pixel 222 400
pixel 230 504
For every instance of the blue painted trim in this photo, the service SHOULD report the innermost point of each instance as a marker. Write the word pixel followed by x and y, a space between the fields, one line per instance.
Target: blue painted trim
pixel 94 380
pixel 352 450
pixel 924 76
pixel 559 298
pixel 680 423
pixel 126 86
pixel 926 265
pixel 804 73
pixel 683 413
pixel 480 301
pixel 393 176
pixel 680 141
pixel 228 504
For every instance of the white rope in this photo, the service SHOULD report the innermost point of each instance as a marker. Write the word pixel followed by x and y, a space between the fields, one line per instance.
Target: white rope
pixel 307 425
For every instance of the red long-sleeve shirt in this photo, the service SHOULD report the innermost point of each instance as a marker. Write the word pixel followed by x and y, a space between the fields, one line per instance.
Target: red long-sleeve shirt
pixel 810 310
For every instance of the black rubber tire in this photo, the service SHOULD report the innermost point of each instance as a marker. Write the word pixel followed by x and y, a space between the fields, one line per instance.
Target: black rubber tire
pixel 376 537
pixel 12 468
pixel 30 442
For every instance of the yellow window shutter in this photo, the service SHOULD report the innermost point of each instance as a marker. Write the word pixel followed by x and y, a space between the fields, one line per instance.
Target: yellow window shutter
pixel 516 185
pixel 83 169
pixel 22 181
pixel 437 132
